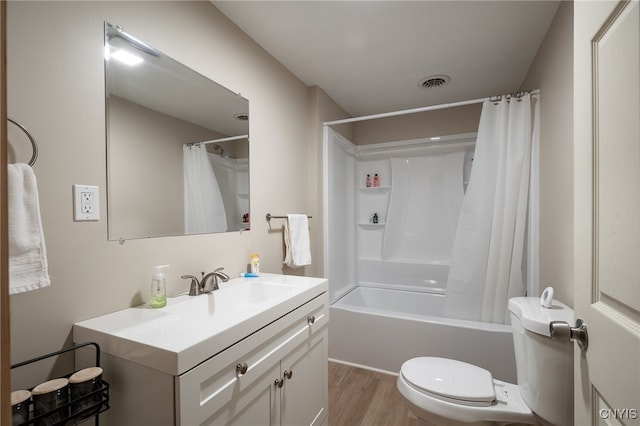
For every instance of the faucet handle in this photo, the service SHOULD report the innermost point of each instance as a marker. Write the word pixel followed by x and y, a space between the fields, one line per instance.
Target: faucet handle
pixel 194 289
pixel 221 274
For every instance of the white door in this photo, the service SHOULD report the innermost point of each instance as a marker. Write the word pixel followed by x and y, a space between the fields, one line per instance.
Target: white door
pixel 607 210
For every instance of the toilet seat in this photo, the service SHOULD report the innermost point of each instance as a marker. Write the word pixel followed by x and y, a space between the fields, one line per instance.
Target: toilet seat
pixel 450 380
pixel 437 405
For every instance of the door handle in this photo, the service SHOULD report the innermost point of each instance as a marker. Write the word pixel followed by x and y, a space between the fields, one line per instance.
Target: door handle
pixel 563 332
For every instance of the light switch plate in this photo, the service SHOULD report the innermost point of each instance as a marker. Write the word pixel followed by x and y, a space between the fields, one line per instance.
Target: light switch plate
pixel 86 203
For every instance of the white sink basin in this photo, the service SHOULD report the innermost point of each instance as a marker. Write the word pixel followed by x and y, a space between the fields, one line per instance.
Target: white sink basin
pixel 191 329
pixel 229 298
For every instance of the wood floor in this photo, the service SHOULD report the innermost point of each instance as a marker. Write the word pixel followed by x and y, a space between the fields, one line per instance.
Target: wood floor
pixel 366 398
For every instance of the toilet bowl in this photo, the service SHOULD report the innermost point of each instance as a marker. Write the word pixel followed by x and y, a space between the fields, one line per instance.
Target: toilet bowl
pixel 443 392
pixel 446 392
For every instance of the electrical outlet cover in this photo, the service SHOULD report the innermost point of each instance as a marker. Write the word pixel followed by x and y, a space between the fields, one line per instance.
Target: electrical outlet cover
pixel 86 203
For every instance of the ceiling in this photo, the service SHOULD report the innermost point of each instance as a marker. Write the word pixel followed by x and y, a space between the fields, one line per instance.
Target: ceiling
pixel 369 56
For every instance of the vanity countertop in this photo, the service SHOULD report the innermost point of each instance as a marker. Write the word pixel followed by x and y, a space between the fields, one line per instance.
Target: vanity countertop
pixel 190 329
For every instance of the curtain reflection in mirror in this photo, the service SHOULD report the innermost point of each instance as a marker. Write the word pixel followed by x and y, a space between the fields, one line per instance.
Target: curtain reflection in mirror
pixel 204 210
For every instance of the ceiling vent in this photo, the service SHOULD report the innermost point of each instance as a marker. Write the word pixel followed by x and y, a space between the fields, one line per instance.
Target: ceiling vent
pixel 434 81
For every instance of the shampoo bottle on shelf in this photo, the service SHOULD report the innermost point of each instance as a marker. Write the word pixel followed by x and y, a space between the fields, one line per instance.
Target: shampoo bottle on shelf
pixel 376 180
pixel 368 181
pixel 158 288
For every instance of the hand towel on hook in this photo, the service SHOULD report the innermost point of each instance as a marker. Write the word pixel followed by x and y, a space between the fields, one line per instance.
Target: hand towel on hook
pixel 28 269
pixel 296 240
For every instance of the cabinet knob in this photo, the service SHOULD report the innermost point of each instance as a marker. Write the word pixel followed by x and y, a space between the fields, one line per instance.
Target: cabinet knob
pixel 288 374
pixel 241 369
pixel 311 319
pixel 279 383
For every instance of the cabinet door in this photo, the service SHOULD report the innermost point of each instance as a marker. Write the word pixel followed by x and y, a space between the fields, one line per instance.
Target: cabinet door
pixel 305 390
pixel 256 405
pixel 215 393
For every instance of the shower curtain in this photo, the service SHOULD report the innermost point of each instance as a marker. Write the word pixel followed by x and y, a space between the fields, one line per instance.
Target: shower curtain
pixel 494 254
pixel 426 197
pixel 203 207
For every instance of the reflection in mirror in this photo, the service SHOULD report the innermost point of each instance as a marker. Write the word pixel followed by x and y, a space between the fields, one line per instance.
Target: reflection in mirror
pixel 160 113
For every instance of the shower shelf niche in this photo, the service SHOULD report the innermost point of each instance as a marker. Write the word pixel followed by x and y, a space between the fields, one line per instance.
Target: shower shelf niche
pixel 374 189
pixel 372 225
pixel 370 200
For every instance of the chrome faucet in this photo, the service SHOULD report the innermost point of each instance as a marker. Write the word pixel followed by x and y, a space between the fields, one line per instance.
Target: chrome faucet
pixel 212 276
pixel 200 287
pixel 194 289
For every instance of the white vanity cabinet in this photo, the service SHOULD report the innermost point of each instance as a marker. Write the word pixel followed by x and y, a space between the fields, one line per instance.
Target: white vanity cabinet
pixel 252 353
pixel 277 376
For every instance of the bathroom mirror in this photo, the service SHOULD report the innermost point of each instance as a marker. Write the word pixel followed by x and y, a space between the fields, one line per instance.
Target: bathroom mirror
pixel 157 112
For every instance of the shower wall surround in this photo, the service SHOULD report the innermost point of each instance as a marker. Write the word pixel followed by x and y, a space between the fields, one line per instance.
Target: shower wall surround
pixel 416 205
pixel 398 234
pixel 423 209
pixel 340 215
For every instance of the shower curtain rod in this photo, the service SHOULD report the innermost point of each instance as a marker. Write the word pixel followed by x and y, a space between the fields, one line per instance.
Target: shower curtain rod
pixel 231 138
pixel 425 109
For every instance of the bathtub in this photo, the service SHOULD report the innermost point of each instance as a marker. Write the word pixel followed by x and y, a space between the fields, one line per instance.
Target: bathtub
pixel 380 328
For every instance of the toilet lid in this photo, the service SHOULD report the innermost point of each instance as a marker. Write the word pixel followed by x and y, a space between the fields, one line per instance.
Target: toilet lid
pixel 451 380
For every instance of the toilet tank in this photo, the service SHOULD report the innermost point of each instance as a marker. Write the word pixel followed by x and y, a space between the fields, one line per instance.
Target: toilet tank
pixel 544 366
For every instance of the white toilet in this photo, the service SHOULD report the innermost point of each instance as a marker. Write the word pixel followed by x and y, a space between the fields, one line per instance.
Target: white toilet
pixel 447 392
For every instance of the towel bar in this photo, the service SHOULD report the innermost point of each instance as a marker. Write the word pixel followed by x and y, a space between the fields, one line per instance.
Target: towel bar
pixel 270 216
pixel 34 157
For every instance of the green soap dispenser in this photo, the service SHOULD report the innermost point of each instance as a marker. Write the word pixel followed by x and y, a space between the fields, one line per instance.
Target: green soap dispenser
pixel 158 288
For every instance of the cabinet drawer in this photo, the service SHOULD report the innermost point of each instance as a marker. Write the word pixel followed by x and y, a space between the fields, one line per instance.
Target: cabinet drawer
pixel 220 380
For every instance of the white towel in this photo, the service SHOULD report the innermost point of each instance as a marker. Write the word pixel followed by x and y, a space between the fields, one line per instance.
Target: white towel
pixel 27 253
pixel 296 240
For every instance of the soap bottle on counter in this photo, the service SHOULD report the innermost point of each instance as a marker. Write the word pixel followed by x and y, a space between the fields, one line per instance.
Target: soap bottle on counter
pixel 255 263
pixel 158 287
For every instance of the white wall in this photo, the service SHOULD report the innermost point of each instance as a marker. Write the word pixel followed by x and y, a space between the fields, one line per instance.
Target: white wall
pixel 449 121
pixel 323 109
pixel 56 88
pixel 552 72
